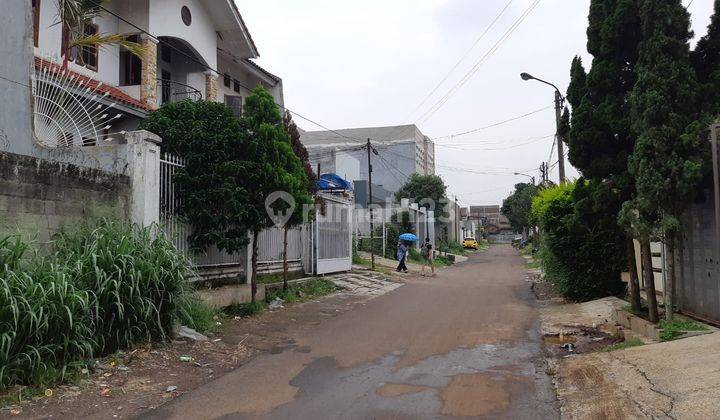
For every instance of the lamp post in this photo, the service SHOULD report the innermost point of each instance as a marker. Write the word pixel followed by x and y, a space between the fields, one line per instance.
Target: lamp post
pixel 559 102
pixel 529 176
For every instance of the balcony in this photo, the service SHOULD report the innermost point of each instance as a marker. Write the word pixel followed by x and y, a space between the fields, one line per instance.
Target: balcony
pixel 172 91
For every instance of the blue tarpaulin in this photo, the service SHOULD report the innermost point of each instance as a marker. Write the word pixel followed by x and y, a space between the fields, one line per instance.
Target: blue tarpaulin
pixel 332 182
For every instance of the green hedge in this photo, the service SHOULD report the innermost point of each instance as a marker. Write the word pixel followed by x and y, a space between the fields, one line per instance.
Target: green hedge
pixel 582 247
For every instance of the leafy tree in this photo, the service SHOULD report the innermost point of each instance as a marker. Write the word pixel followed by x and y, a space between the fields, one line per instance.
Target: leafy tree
pixel 582 244
pixel 426 190
pixel 208 137
pixel 601 137
pixel 269 164
pixel 301 194
pixel 706 62
pixel 668 158
pixel 517 207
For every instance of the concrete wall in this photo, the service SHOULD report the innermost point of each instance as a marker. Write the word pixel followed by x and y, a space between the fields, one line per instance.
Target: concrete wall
pixel 39 197
pixel 16 43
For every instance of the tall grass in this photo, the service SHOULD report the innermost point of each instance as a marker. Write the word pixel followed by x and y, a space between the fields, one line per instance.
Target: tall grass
pixel 107 286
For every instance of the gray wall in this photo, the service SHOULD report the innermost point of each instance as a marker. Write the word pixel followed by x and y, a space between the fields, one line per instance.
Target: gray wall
pixel 16 48
pixel 39 197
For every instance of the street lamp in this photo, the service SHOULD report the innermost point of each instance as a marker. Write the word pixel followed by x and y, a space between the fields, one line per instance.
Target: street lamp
pixel 559 102
pixel 529 176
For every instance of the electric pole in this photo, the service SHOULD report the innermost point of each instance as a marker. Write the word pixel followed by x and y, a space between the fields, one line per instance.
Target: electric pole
pixel 559 100
pixel 369 205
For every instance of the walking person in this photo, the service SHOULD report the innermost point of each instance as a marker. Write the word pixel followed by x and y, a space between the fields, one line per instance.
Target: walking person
pixel 428 257
pixel 402 252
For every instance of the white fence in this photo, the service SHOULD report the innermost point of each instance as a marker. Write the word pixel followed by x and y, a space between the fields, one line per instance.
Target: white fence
pixel 322 246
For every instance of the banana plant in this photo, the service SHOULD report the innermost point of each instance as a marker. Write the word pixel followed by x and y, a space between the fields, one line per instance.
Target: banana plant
pixel 74 14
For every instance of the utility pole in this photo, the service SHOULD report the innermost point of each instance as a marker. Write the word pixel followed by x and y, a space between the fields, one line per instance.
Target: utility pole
pixel 369 204
pixel 559 102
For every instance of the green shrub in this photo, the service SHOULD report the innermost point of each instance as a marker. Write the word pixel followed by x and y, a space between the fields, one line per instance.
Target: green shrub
pixel 672 330
pixel 582 247
pixel 301 291
pixel 107 286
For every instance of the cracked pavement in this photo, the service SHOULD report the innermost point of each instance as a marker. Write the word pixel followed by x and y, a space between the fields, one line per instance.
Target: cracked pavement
pixel 674 380
pixel 463 344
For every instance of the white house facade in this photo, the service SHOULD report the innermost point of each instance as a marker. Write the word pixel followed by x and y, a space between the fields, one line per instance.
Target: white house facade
pixel 197 49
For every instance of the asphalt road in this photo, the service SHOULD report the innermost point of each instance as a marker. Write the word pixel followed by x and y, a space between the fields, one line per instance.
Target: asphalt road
pixel 463 344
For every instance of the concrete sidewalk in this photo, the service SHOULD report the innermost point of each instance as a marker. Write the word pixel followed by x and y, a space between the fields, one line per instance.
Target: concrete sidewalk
pixel 677 379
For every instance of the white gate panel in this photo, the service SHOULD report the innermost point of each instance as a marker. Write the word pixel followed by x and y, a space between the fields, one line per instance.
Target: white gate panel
pixel 333 236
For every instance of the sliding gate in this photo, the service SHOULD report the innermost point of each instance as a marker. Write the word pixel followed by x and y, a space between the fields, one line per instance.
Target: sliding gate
pixel 332 235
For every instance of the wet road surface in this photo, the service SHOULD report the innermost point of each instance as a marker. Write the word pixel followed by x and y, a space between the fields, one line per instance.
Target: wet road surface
pixel 463 344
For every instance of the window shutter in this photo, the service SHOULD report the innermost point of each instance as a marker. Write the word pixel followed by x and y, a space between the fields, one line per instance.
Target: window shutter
pixel 235 104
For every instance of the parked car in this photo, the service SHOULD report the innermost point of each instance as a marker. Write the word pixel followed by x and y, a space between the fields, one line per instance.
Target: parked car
pixel 470 243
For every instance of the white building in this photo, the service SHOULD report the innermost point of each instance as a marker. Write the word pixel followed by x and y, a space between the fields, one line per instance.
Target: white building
pixel 402 151
pixel 198 49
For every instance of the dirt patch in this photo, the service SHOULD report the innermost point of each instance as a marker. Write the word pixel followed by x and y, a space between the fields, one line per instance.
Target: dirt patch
pixel 397 390
pixel 474 395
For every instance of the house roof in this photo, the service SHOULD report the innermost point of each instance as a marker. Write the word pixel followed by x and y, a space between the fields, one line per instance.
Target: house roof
pixel 262 70
pixel 388 134
pixel 113 92
pixel 245 28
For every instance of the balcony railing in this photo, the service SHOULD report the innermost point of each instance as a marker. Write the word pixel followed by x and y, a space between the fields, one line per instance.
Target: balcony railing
pixel 172 91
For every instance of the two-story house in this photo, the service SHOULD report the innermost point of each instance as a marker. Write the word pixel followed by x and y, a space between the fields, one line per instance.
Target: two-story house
pixel 197 49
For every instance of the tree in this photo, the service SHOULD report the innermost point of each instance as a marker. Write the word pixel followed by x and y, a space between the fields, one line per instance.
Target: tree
pixel 706 62
pixel 601 137
pixel 302 194
pixel 207 136
pixel 517 207
pixel 270 165
pixel 669 154
pixel 428 191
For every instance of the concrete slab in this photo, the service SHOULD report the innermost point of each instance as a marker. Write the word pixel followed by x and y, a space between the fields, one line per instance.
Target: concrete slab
pixel 677 379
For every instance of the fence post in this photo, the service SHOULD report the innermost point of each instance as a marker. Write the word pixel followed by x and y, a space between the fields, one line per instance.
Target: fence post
pixel 143 160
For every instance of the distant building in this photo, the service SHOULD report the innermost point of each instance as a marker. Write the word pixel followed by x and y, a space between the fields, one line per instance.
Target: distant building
pixel 490 218
pixel 402 151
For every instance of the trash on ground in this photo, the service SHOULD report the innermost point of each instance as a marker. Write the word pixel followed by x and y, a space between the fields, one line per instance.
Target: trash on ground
pixel 568 346
pixel 190 333
pixel 171 388
pixel 186 359
pixel 105 392
pixel 123 368
pixel 277 303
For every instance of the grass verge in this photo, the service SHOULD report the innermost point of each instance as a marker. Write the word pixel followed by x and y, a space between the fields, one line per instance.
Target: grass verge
pixel 624 345
pixel 672 330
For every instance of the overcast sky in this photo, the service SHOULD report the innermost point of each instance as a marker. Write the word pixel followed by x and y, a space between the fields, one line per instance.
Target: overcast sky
pixel 372 63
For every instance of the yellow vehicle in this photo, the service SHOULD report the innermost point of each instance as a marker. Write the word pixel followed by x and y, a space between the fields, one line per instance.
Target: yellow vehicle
pixel 470 243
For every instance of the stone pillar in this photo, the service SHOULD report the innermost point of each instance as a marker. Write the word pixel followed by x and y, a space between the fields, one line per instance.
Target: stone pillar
pixel 148 89
pixel 143 163
pixel 211 86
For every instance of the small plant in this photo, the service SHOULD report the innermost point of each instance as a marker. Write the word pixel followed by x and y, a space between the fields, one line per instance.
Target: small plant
pixel 303 291
pixel 672 330
pixel 198 315
pixel 624 345
pixel 245 309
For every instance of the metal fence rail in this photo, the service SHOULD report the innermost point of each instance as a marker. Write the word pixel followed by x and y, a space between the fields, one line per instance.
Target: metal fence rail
pixel 177 230
pixel 270 245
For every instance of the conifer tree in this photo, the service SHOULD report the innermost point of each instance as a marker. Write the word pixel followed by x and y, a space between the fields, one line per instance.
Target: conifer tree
pixel 667 162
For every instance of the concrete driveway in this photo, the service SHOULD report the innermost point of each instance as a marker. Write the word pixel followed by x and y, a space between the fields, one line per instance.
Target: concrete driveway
pixel 464 343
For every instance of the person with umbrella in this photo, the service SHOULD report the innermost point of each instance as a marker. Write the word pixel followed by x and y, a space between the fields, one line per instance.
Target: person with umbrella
pixel 402 251
pixel 401 256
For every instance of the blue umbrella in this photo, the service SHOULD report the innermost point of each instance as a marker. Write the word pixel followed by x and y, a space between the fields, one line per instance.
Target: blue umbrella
pixel 409 237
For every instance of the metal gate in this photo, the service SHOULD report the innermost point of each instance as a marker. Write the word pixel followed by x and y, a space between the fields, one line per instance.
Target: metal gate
pixel 332 236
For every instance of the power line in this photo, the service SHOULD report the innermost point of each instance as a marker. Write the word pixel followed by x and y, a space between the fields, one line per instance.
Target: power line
pixel 531 141
pixel 457 64
pixel 440 103
pixel 475 130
